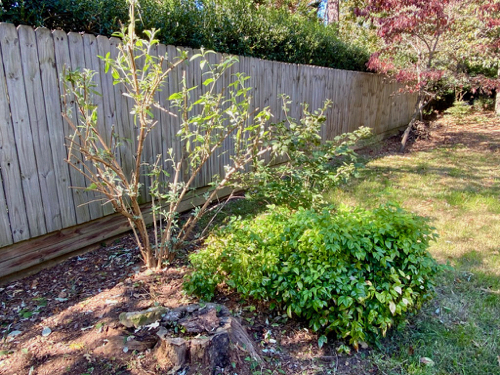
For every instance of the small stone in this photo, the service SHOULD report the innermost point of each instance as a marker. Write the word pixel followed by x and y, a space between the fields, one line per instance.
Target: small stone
pixel 46 331
pixel 140 318
pixel 11 336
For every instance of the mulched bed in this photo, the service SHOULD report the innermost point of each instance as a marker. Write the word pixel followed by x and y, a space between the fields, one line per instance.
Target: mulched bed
pixel 63 319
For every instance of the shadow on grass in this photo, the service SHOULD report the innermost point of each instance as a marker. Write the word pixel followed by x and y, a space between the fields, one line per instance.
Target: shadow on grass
pixel 433 176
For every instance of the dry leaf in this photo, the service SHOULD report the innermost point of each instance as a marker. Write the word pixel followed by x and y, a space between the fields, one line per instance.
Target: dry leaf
pixel 427 361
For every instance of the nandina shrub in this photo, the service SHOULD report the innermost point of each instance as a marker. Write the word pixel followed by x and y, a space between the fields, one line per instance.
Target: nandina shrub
pixel 351 272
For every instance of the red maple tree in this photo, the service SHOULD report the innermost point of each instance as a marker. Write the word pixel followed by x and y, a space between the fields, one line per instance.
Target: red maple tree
pixel 424 44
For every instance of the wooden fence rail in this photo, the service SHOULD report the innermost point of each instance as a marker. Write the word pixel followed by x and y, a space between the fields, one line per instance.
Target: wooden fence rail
pixel 36 198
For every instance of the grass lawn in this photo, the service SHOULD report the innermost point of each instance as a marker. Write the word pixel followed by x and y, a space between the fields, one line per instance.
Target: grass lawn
pixel 456 184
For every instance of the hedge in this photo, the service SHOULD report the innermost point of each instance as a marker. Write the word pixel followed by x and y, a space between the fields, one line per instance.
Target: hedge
pixel 236 27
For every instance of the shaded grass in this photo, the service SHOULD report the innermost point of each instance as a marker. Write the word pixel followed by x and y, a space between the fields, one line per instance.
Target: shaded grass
pixel 458 188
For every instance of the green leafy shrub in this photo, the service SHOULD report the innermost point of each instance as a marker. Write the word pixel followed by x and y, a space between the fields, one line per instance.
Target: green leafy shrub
pixel 229 26
pixel 348 271
pixel 308 166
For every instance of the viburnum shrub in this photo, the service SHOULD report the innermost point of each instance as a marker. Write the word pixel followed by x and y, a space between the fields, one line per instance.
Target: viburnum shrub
pixel 351 272
pixel 305 165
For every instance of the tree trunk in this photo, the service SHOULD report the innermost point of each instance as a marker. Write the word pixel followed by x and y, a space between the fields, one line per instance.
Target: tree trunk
pixel 419 105
pixel 332 11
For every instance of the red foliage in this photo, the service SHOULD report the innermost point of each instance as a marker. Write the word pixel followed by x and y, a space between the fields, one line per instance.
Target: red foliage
pixel 407 17
pixel 414 28
pixel 490 15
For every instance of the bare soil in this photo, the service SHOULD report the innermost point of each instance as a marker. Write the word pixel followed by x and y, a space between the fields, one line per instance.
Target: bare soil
pixel 64 320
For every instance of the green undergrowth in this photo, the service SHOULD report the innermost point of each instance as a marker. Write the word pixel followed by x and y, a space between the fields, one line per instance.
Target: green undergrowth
pixel 351 272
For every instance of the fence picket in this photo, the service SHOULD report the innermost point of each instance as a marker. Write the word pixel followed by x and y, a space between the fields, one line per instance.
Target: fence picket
pixel 39 129
pixel 77 57
pixel 51 94
pixel 9 168
pixel 63 64
pixel 30 186
pixel 5 232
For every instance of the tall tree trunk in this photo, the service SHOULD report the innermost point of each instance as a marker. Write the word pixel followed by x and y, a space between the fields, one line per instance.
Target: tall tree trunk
pixel 332 11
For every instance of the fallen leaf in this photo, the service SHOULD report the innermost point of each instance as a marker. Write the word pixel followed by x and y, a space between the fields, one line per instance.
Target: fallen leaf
pixel 427 361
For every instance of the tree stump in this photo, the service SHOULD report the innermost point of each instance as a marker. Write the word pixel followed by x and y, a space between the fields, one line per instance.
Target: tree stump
pixel 217 340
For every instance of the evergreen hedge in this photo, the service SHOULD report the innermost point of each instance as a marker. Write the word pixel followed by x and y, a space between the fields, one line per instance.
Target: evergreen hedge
pixel 229 26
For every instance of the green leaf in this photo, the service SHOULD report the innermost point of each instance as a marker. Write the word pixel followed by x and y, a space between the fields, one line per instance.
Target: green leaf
pixel 175 96
pixel 322 340
pixel 195 56
pixel 208 81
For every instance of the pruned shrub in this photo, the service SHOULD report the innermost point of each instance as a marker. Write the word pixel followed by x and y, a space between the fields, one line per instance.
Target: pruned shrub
pixel 351 272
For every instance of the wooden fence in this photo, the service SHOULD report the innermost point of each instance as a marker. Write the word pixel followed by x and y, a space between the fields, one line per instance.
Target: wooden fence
pixel 35 194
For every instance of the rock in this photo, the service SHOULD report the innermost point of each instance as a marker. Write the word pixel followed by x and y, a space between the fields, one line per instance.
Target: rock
pixel 140 318
pixel 191 308
pixel 46 331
